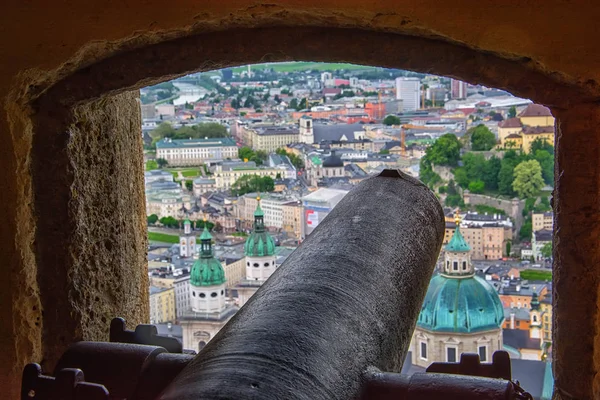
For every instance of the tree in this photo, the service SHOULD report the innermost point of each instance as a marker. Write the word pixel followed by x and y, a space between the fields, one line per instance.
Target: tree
pixel 528 178
pixel 391 120
pixel 189 185
pixel 426 173
pixel 508 248
pixel 526 229
pixel 151 165
pixel 512 112
pixel 384 151
pixel 276 99
pixel 293 103
pixel 491 169
pixel 482 139
pixel 152 219
pixel 445 151
pixel 200 224
pixel 169 222
pixel 546 161
pixel 162 162
pixel 541 144
pixel 453 199
pixel 546 250
pixel 253 183
pixel 476 186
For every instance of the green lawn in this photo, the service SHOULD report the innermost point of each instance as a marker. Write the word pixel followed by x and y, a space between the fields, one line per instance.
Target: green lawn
pixel 303 66
pixel 190 172
pixel 536 275
pixel 162 237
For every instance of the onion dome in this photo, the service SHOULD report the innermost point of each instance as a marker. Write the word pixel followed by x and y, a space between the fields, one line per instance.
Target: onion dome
pixel 207 270
pixel 464 305
pixel 259 243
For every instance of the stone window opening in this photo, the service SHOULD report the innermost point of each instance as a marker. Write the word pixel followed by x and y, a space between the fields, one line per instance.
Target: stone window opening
pixel 129 83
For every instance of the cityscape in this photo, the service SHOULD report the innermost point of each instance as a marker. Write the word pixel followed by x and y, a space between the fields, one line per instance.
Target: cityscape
pixel 242 164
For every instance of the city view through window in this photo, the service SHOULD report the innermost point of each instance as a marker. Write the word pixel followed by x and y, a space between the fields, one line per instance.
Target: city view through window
pixel 242 164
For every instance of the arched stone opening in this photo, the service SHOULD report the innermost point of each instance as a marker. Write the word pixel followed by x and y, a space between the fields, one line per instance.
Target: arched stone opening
pixel 86 161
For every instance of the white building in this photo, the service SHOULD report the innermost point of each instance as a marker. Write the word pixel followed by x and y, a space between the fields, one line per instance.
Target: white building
pixel 409 91
pixel 188 152
pixel 260 258
pixel 187 241
pixel 306 130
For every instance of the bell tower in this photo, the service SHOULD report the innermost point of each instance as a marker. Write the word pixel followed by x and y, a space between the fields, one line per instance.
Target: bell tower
pixel 306 130
pixel 187 241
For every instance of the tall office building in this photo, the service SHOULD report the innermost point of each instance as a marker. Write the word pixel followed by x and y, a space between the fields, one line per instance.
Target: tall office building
pixel 458 89
pixel 409 91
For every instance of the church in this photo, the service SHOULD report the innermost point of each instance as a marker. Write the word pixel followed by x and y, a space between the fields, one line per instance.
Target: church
pixel 461 313
pixel 259 250
pixel 209 311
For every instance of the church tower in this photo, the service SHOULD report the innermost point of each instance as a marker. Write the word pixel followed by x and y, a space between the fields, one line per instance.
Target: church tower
pixel 535 318
pixel 461 313
pixel 306 130
pixel 207 279
pixel 259 250
pixel 187 241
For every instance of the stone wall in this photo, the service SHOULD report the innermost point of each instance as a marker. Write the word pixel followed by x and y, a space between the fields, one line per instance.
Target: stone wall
pixel 103 50
pixel 513 208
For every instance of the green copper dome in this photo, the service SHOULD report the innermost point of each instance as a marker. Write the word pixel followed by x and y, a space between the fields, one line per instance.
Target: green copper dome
pixel 458 244
pixel 207 270
pixel 259 243
pixel 460 305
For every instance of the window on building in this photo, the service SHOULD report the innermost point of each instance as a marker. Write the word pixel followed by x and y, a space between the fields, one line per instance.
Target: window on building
pixel 424 350
pixel 455 266
pixel 482 353
pixel 464 265
pixel 266 264
pixel 534 318
pixel 202 295
pixel 256 265
pixel 222 292
pixel 248 263
pixel 193 293
pixel 451 354
pixel 213 294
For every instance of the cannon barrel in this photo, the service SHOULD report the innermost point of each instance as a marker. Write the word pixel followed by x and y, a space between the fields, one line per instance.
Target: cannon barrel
pixel 346 299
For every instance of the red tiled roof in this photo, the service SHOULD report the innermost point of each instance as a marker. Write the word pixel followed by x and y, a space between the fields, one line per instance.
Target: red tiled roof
pixel 510 123
pixel 536 110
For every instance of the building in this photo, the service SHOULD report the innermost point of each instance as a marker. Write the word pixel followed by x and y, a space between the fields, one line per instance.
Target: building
pixel 187 241
pixel 162 305
pixel 531 133
pixel 317 205
pixel 203 185
pixel 409 91
pixel 280 211
pixel 461 313
pixel 229 172
pixel 260 259
pixel 272 138
pixel 306 130
pixel 527 344
pixel 181 286
pixel 167 204
pixel 510 126
pixel 487 235
pixel 188 152
pixel 538 240
pixel 542 221
pixel 209 310
pixel 157 175
pixel 458 89
pixel 536 115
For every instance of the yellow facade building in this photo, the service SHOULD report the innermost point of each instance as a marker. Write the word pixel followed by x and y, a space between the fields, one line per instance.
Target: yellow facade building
pixel 162 305
pixel 531 133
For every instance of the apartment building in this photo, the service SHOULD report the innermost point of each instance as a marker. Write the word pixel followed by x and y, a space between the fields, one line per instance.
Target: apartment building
pixel 162 305
pixel 189 152
pixel 542 221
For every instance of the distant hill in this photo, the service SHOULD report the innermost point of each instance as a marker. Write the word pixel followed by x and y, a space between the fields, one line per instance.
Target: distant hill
pixel 303 66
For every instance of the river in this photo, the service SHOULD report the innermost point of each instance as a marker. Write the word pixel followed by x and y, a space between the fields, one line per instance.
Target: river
pixel 188 93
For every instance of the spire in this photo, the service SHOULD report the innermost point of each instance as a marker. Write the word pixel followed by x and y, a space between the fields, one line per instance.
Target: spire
pixel 205 242
pixel 259 221
pixel 458 244
pixel 535 302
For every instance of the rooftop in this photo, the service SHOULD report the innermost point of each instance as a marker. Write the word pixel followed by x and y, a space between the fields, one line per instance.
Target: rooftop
pixel 510 123
pixel 536 110
pixel 190 143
